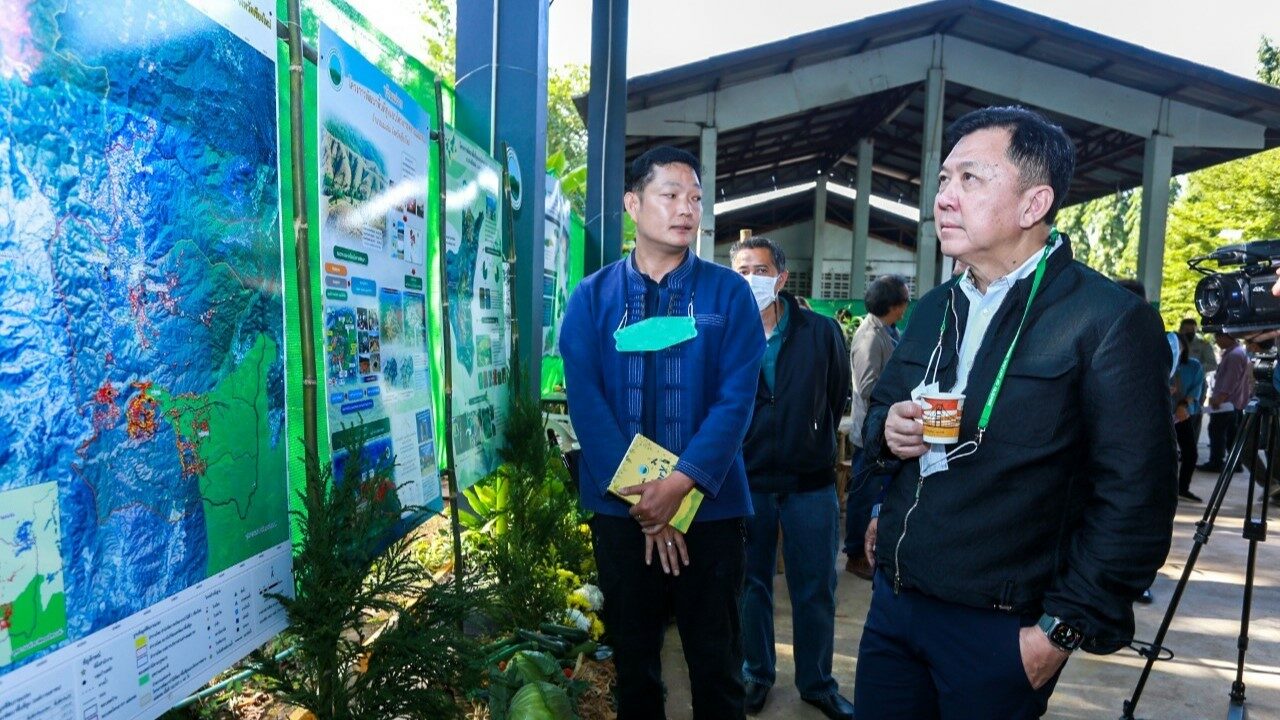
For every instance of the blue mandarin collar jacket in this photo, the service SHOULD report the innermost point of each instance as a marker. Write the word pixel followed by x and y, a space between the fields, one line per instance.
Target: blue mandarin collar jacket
pixel 706 386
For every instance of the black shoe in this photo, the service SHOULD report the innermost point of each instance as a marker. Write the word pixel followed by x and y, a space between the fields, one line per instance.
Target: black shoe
pixel 1188 495
pixel 1145 598
pixel 1209 468
pixel 756 695
pixel 833 706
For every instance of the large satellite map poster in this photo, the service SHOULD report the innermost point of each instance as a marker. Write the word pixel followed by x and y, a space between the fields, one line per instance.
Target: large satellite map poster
pixel 374 144
pixel 476 283
pixel 142 425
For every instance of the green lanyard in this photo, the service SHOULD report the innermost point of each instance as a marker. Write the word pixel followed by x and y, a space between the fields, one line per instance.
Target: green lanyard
pixel 994 393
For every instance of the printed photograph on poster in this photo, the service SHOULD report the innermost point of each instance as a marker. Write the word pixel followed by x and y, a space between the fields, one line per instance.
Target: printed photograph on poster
pixel 143 437
pixel 374 175
pixel 555 264
pixel 476 278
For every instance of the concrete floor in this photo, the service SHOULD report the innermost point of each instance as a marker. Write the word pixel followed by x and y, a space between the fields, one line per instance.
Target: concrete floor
pixel 1203 634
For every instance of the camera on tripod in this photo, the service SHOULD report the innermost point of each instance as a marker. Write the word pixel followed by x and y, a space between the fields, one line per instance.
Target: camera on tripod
pixel 1239 302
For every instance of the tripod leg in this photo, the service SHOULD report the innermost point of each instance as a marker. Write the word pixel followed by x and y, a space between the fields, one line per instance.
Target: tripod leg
pixel 1255 531
pixel 1204 528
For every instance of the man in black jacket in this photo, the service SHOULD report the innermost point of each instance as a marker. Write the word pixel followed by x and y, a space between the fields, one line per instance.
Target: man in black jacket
pixel 790 454
pixel 1034 534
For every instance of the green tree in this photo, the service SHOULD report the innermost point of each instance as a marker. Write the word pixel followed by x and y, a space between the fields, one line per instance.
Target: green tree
pixel 1269 62
pixel 566 134
pixel 565 131
pixel 441 37
pixel 1104 232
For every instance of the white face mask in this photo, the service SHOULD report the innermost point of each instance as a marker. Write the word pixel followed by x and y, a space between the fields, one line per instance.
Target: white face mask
pixel 762 287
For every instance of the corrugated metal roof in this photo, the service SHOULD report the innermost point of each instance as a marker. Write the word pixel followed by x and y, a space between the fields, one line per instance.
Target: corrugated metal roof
pixel 785 150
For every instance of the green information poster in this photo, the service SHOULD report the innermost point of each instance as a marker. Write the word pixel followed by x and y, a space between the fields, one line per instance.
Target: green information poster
pixel 477 288
pixel 374 179
pixel 555 273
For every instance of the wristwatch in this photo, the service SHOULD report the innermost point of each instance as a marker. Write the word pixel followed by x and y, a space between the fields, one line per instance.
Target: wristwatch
pixel 1063 636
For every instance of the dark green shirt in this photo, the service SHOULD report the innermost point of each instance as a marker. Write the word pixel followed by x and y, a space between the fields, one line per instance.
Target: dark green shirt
pixel 769 364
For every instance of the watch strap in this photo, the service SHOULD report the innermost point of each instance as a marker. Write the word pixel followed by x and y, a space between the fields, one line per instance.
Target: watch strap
pixel 1065 637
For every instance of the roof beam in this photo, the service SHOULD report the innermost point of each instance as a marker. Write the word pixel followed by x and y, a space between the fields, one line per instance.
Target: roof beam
pixel 1097 101
pixel 802 89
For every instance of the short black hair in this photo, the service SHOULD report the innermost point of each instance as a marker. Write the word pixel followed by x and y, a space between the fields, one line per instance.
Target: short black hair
pixel 755 242
pixel 1134 286
pixel 1188 320
pixel 885 293
pixel 640 173
pixel 1041 150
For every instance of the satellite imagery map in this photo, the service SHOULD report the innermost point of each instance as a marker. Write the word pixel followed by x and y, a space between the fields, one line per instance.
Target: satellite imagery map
pixel 142 406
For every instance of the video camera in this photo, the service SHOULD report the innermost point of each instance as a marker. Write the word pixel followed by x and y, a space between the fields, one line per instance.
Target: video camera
pixel 1240 302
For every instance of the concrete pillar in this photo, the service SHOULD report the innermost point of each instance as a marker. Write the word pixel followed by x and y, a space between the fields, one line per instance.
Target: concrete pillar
pixel 707 232
pixel 512 81
pixel 1157 166
pixel 930 162
pixel 819 224
pixel 606 133
pixel 861 221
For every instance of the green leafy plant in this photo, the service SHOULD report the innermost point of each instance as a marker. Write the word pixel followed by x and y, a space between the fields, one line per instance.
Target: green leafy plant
pixel 532 686
pixel 523 526
pixel 372 638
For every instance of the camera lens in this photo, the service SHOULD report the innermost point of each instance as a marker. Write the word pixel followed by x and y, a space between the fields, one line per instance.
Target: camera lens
pixel 1209 297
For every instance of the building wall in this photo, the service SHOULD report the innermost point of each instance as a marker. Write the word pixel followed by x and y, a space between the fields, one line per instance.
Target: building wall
pixel 835 250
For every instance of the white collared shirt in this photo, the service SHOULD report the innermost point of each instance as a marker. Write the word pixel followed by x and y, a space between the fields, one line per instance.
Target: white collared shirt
pixel 983 309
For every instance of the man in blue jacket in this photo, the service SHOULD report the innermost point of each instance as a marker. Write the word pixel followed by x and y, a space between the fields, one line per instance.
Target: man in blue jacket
pixel 668 346
pixel 999 556
pixel 790 452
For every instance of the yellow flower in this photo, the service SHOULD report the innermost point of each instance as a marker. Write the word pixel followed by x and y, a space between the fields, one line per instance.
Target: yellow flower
pixel 597 627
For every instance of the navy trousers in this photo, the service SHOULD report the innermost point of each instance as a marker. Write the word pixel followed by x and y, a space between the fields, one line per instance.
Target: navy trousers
pixel 926 659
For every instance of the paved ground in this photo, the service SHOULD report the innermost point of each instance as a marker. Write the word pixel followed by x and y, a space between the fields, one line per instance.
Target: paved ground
pixel 1203 635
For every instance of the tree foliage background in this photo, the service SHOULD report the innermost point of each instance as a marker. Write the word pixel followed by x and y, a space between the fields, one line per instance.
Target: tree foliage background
pixel 566 133
pixel 1237 201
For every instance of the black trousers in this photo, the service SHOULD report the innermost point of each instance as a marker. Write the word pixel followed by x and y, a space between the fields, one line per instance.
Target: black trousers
pixel 1222 432
pixel 705 598
pixel 1188 434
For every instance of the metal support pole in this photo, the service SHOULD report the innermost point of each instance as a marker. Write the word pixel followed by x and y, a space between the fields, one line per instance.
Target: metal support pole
pixel 606 133
pixel 707 231
pixel 819 225
pixel 1157 167
pixel 861 221
pixel 930 162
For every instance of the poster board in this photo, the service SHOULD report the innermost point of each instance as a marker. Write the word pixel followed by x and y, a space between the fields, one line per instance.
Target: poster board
pixel 477 286
pixel 142 447
pixel 555 273
pixel 374 185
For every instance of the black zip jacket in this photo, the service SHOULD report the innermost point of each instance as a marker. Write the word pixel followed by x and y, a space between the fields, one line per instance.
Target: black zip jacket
pixel 791 444
pixel 1067 505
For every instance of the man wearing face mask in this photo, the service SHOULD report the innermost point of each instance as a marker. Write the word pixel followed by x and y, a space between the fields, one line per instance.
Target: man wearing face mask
pixel 668 346
pixel 790 453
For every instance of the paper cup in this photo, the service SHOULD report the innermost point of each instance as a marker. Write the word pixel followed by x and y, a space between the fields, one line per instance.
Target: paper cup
pixel 942 412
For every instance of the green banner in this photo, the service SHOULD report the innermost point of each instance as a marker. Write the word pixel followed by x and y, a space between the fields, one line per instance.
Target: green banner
pixel 480 309
pixel 419 83
pixel 373 188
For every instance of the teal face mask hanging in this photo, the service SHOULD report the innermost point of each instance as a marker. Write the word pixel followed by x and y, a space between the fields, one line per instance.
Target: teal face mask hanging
pixel 655 333
pixel 659 332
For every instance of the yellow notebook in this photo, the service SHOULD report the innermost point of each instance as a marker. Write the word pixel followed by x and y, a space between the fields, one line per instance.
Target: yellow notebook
pixel 647 461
